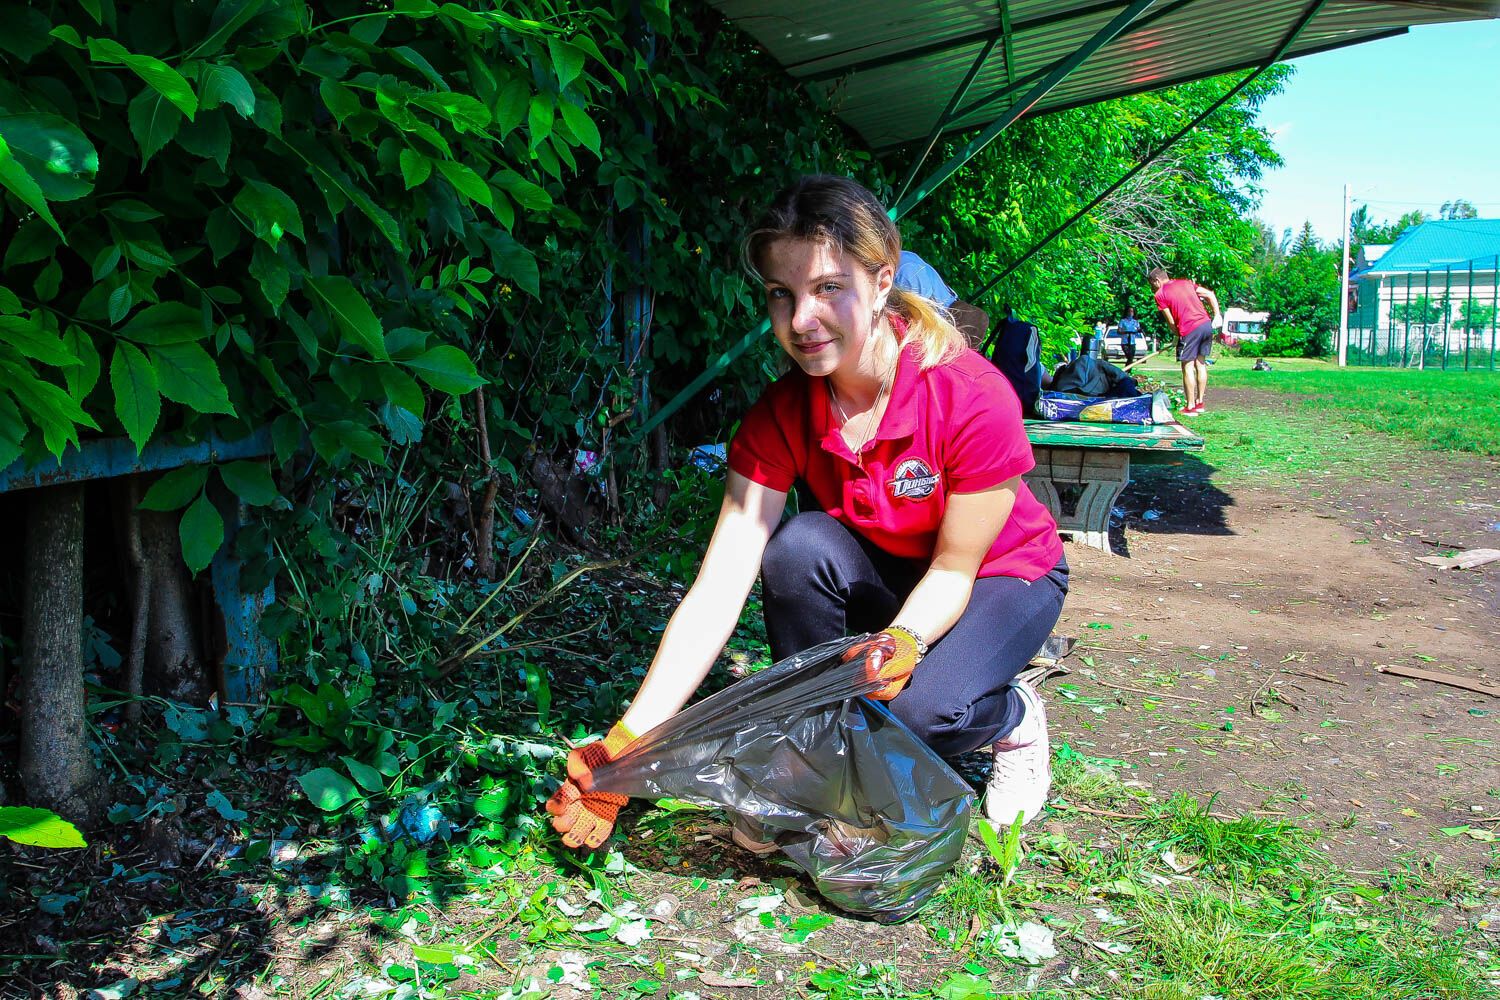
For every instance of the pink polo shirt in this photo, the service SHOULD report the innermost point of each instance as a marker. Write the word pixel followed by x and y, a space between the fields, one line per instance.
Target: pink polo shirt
pixel 1180 298
pixel 954 428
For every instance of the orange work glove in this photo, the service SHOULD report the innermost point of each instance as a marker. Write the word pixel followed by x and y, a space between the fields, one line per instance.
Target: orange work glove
pixel 585 817
pixel 889 656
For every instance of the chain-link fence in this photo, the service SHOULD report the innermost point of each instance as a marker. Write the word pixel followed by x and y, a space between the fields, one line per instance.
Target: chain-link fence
pixel 1440 317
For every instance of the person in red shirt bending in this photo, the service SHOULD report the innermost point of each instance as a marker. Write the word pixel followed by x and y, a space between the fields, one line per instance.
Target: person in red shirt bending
pixel 1181 303
pixel 912 447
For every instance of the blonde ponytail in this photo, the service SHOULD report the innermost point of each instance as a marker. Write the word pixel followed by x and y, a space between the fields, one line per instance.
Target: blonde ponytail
pixel 929 326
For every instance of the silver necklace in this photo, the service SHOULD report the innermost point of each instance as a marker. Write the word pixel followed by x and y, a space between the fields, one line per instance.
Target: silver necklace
pixel 870 422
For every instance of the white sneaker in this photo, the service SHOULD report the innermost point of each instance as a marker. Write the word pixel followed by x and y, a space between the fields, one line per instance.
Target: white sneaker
pixel 1022 776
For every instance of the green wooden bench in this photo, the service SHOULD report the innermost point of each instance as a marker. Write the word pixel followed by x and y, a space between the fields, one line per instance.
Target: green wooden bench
pixel 1093 462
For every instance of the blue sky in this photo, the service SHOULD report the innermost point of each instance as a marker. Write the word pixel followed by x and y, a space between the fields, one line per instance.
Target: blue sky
pixel 1409 122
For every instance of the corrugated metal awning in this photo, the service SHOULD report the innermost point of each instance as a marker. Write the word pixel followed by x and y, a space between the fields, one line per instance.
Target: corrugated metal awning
pixel 889 67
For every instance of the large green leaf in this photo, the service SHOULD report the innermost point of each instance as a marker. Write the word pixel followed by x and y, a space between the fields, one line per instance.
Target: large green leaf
pixel 227 19
pixel 539 118
pixel 369 779
pixel 208 137
pixel 567 61
pixel 327 789
pixel 251 482
pixel 201 532
pixel 415 168
pixel 401 424
pixel 18 181
pixel 153 122
pixel 529 195
pixel 82 377
pixel 350 313
pixel 57 414
pixel 38 828
pixel 30 340
pixel 466 113
pixel 402 390
pixel 166 323
pixel 581 125
pixel 465 181
pixel 271 211
pixel 267 267
pixel 137 398
pixel 54 151
pixel 188 375
pixel 226 85
pixel 176 488
pixel 511 104
pixel 446 369
pixel 12 431
pixel 160 77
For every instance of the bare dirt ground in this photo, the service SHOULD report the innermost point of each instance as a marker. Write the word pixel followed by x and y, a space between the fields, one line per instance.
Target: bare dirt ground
pixel 1252 626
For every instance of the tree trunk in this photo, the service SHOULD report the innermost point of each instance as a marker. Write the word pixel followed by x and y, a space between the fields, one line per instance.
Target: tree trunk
pixel 56 768
pixel 135 660
pixel 174 663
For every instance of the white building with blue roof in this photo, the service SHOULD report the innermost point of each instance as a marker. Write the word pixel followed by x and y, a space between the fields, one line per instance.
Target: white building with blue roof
pixel 1432 297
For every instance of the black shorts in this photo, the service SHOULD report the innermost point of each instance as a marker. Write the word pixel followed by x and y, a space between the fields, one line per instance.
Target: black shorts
pixel 1196 344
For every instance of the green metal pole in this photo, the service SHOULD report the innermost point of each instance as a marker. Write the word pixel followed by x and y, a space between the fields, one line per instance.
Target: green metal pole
pixel 1406 322
pixel 1494 314
pixel 947 115
pixel 1016 111
pixel 1468 313
pixel 1390 327
pixel 1426 301
pixel 1447 308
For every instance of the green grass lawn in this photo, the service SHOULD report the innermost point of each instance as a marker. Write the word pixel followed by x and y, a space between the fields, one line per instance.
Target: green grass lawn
pixel 1452 410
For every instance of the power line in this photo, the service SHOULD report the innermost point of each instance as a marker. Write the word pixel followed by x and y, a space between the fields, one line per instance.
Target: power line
pixel 1386 201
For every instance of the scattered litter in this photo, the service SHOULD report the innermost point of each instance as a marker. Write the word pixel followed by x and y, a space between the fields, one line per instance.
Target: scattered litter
pixel 1467 559
pixel 763 904
pixel 585 462
pixel 1030 942
pixel 624 922
pixel 717 981
pixel 1151 515
pixel 1112 947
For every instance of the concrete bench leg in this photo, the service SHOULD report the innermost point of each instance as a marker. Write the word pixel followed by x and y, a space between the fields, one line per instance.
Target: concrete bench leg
pixel 1102 474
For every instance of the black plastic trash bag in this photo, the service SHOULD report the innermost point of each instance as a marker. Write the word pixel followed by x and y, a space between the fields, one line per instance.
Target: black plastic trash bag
pixel 846 791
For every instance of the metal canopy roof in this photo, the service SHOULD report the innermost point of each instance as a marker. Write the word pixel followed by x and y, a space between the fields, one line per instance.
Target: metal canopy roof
pixel 889 67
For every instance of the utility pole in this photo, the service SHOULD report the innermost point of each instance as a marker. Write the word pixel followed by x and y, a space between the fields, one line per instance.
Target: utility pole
pixel 1344 289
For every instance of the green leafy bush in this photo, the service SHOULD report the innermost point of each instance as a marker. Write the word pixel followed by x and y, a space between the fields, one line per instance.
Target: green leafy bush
pixel 258 212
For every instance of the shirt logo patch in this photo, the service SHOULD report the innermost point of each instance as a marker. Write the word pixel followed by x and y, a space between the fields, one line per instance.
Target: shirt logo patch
pixel 914 480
